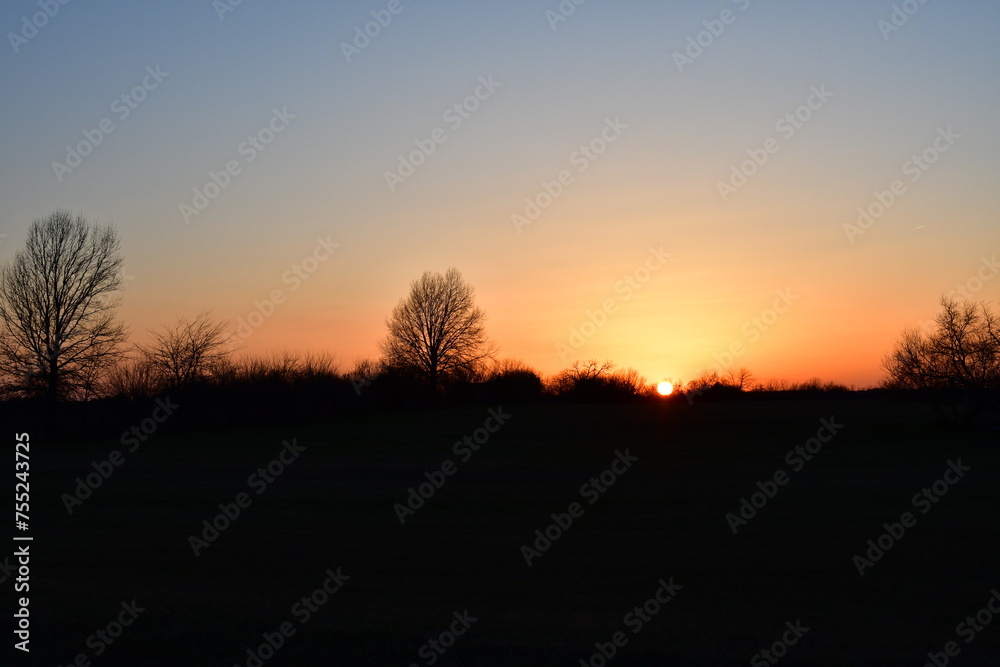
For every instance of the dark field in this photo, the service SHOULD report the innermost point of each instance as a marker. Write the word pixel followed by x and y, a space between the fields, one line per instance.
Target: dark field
pixel 664 517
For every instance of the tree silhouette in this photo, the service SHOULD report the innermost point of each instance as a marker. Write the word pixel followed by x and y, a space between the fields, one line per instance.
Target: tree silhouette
pixel 57 308
pixel 956 366
pixel 190 351
pixel 592 380
pixel 437 331
pixel 741 378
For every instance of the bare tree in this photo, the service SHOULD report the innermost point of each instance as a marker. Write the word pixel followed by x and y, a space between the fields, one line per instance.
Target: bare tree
pixel 365 372
pixel 579 372
pixel 437 331
pixel 57 308
pixel 590 369
pixel 598 380
pixel 509 366
pixel 741 378
pixel 191 350
pixel 706 381
pixel 513 380
pixel 130 378
pixel 956 366
pixel 628 381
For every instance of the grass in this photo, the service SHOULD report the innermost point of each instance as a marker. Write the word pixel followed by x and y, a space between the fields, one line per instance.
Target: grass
pixel 663 518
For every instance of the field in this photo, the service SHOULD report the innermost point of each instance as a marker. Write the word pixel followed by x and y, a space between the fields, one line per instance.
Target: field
pixel 331 508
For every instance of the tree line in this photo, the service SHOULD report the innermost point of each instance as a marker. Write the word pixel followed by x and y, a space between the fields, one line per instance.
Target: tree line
pixel 60 342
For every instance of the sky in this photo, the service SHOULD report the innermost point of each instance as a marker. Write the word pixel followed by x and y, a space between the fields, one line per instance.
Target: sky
pixel 672 186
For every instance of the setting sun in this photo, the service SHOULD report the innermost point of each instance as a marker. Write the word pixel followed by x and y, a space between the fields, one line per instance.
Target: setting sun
pixel 665 388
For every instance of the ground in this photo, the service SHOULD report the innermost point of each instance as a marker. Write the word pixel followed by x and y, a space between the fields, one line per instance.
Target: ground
pixel 663 521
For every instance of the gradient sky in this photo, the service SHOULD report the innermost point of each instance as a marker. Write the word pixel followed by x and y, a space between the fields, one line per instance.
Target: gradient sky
pixel 656 185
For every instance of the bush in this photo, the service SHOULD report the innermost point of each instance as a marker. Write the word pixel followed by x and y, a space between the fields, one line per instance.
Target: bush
pixel 513 381
pixel 592 382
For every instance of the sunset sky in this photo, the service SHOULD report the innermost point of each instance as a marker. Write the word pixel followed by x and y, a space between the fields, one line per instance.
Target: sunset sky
pixel 618 100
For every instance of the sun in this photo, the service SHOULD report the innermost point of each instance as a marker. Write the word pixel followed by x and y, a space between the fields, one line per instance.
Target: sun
pixel 665 388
